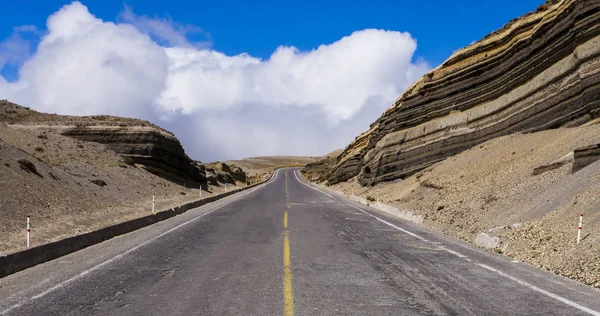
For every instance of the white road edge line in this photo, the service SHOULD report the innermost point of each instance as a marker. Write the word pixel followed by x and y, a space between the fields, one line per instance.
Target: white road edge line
pixel 123 254
pixel 537 289
pixel 458 254
pixel 390 224
pixel 296 175
pixel 533 287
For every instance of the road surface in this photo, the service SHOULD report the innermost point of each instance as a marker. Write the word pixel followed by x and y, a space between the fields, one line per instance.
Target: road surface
pixel 286 248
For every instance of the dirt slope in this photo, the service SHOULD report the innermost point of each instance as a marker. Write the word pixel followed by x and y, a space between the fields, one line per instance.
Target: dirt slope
pixel 70 186
pixel 497 188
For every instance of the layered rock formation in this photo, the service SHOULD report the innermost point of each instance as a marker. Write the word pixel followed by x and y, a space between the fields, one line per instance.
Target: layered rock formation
pixel 584 156
pixel 157 150
pixel 138 141
pixel 540 71
pixel 221 173
pixel 317 171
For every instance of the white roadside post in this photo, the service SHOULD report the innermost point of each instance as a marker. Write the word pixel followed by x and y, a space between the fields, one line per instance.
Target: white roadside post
pixel 200 187
pixel 579 229
pixel 28 230
pixel 153 204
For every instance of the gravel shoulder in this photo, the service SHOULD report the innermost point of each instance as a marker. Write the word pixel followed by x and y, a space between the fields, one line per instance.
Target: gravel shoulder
pixel 492 189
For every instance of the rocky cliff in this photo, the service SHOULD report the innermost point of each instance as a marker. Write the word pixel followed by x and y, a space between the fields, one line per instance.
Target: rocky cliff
pixel 138 141
pixel 540 71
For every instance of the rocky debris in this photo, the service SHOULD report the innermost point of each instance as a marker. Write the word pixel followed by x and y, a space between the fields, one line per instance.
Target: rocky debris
pixel 585 156
pixel 486 241
pixel 99 182
pixel 539 72
pixel 218 173
pixel 29 167
pixel 236 172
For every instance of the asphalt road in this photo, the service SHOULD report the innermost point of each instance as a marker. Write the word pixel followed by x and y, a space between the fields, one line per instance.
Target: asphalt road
pixel 286 248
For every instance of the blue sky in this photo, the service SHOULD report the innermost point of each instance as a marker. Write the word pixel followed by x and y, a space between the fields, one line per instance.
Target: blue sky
pixel 234 79
pixel 258 28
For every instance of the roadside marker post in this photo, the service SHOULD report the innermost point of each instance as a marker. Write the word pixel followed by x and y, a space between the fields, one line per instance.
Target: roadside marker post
pixel 28 230
pixel 579 228
pixel 153 204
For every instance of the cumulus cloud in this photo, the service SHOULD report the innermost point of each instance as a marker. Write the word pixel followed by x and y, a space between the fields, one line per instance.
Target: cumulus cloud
pixel 16 48
pixel 337 78
pixel 86 66
pixel 220 106
pixel 165 30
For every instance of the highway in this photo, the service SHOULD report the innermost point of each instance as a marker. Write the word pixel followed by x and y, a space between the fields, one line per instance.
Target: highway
pixel 286 248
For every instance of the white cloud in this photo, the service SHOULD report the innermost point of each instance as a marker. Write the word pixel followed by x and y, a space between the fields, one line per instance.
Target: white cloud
pixel 15 49
pixel 85 66
pixel 338 78
pixel 294 102
pixel 165 30
pixel 26 28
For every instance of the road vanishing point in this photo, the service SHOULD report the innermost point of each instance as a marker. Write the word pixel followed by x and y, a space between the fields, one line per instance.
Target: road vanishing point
pixel 288 248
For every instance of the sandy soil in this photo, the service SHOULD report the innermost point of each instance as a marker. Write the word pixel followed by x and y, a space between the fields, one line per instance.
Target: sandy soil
pixel 73 187
pixel 492 189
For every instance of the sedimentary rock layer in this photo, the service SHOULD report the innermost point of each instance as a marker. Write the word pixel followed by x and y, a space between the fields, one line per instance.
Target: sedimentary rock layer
pixel 540 71
pixel 157 150
pixel 584 156
pixel 138 141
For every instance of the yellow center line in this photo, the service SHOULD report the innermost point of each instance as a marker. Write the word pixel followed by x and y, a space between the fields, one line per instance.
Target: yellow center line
pixel 288 294
pixel 287 193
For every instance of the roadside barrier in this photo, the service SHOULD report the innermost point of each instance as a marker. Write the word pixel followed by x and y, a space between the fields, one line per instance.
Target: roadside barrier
pixel 30 257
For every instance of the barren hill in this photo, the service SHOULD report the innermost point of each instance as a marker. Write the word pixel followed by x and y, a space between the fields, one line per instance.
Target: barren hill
pixel 259 167
pixel 497 145
pixel 78 174
pixel 519 188
pixel 137 141
pixel 539 72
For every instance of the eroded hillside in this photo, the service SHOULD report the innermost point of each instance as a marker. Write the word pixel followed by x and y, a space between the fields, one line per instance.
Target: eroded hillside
pixel 539 72
pixel 137 141
pixel 498 145
pixel 77 174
